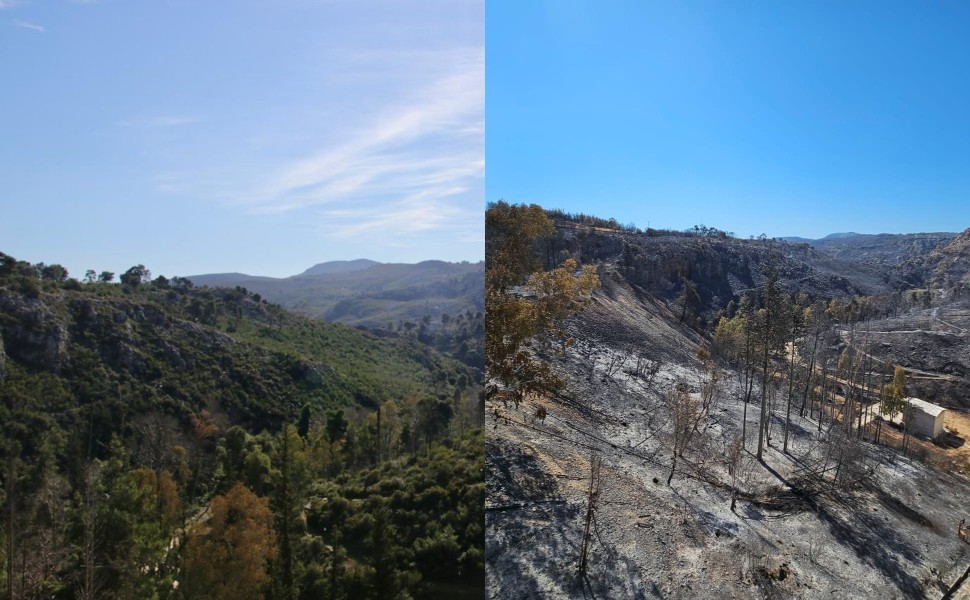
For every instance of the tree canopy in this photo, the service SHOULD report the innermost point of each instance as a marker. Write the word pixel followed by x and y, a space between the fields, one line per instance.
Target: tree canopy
pixel 517 321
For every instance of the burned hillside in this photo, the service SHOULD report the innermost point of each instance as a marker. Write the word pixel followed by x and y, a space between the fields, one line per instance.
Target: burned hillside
pixel 742 458
pixel 719 266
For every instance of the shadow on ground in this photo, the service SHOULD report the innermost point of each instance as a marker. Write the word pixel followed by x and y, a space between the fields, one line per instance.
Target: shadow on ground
pixel 528 518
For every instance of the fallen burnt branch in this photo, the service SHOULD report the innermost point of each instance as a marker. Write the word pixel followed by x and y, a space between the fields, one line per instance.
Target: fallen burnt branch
pixel 956 586
pixel 521 505
pixel 598 416
pixel 785 501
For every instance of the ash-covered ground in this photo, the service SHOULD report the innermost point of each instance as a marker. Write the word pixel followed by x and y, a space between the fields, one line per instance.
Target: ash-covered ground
pixel 887 530
pixel 933 344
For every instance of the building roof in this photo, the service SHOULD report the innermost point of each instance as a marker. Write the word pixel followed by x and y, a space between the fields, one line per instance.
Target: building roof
pixel 927 407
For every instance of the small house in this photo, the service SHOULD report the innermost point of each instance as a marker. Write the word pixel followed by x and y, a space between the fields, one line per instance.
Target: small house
pixel 925 418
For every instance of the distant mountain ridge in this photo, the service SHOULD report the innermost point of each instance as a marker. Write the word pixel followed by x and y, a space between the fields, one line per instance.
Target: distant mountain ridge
pixel 880 250
pixel 831 236
pixel 369 293
pixel 841 236
pixel 339 266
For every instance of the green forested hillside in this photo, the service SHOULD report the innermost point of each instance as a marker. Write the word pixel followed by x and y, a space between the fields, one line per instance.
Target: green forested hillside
pixel 148 425
pixel 369 293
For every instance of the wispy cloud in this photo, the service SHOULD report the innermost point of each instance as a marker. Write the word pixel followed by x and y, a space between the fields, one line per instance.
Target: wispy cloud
pixel 5 4
pixel 158 122
pixel 27 25
pixel 422 211
pixel 404 168
pixel 385 135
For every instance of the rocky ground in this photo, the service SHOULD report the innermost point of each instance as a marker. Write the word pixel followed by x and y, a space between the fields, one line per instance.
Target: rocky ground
pixel 890 535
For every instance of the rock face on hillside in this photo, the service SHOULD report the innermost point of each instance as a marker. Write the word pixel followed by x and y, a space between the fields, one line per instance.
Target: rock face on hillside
pixel 32 333
pixel 721 268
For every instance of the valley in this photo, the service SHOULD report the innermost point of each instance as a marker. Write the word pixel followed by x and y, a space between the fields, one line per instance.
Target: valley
pixel 228 447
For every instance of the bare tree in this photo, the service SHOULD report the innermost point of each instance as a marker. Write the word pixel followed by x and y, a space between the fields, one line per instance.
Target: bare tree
pixel 154 440
pixel 685 414
pixel 770 324
pixel 739 465
pixel 617 360
pixel 817 324
pixel 645 370
pixel 824 393
pixel 710 389
pixel 44 555
pixel 864 360
pixel 795 324
pixel 595 464
pixel 850 459
pixel 735 339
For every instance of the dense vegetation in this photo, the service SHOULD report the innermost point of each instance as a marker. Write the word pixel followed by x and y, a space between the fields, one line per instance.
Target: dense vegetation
pixel 164 441
pixel 460 337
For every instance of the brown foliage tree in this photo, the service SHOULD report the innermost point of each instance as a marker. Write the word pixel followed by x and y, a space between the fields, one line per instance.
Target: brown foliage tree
pixel 514 321
pixel 229 560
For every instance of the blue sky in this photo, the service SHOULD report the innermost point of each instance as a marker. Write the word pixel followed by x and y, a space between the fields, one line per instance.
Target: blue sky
pixel 260 136
pixel 784 118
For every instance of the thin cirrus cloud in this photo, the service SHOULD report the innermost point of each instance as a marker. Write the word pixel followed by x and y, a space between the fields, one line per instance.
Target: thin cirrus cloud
pixel 27 24
pixel 419 212
pixel 408 167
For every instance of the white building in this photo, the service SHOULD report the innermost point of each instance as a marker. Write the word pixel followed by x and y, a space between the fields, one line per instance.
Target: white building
pixel 926 418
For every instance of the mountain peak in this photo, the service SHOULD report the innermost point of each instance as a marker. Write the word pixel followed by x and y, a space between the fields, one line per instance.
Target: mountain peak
pixel 840 236
pixel 339 266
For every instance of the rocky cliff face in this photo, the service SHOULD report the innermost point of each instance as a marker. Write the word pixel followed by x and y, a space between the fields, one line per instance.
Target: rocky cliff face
pixel 32 333
pixel 720 267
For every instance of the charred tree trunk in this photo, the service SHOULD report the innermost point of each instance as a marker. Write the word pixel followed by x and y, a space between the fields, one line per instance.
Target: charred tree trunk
pixel 791 385
pixel 594 488
pixel 808 379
